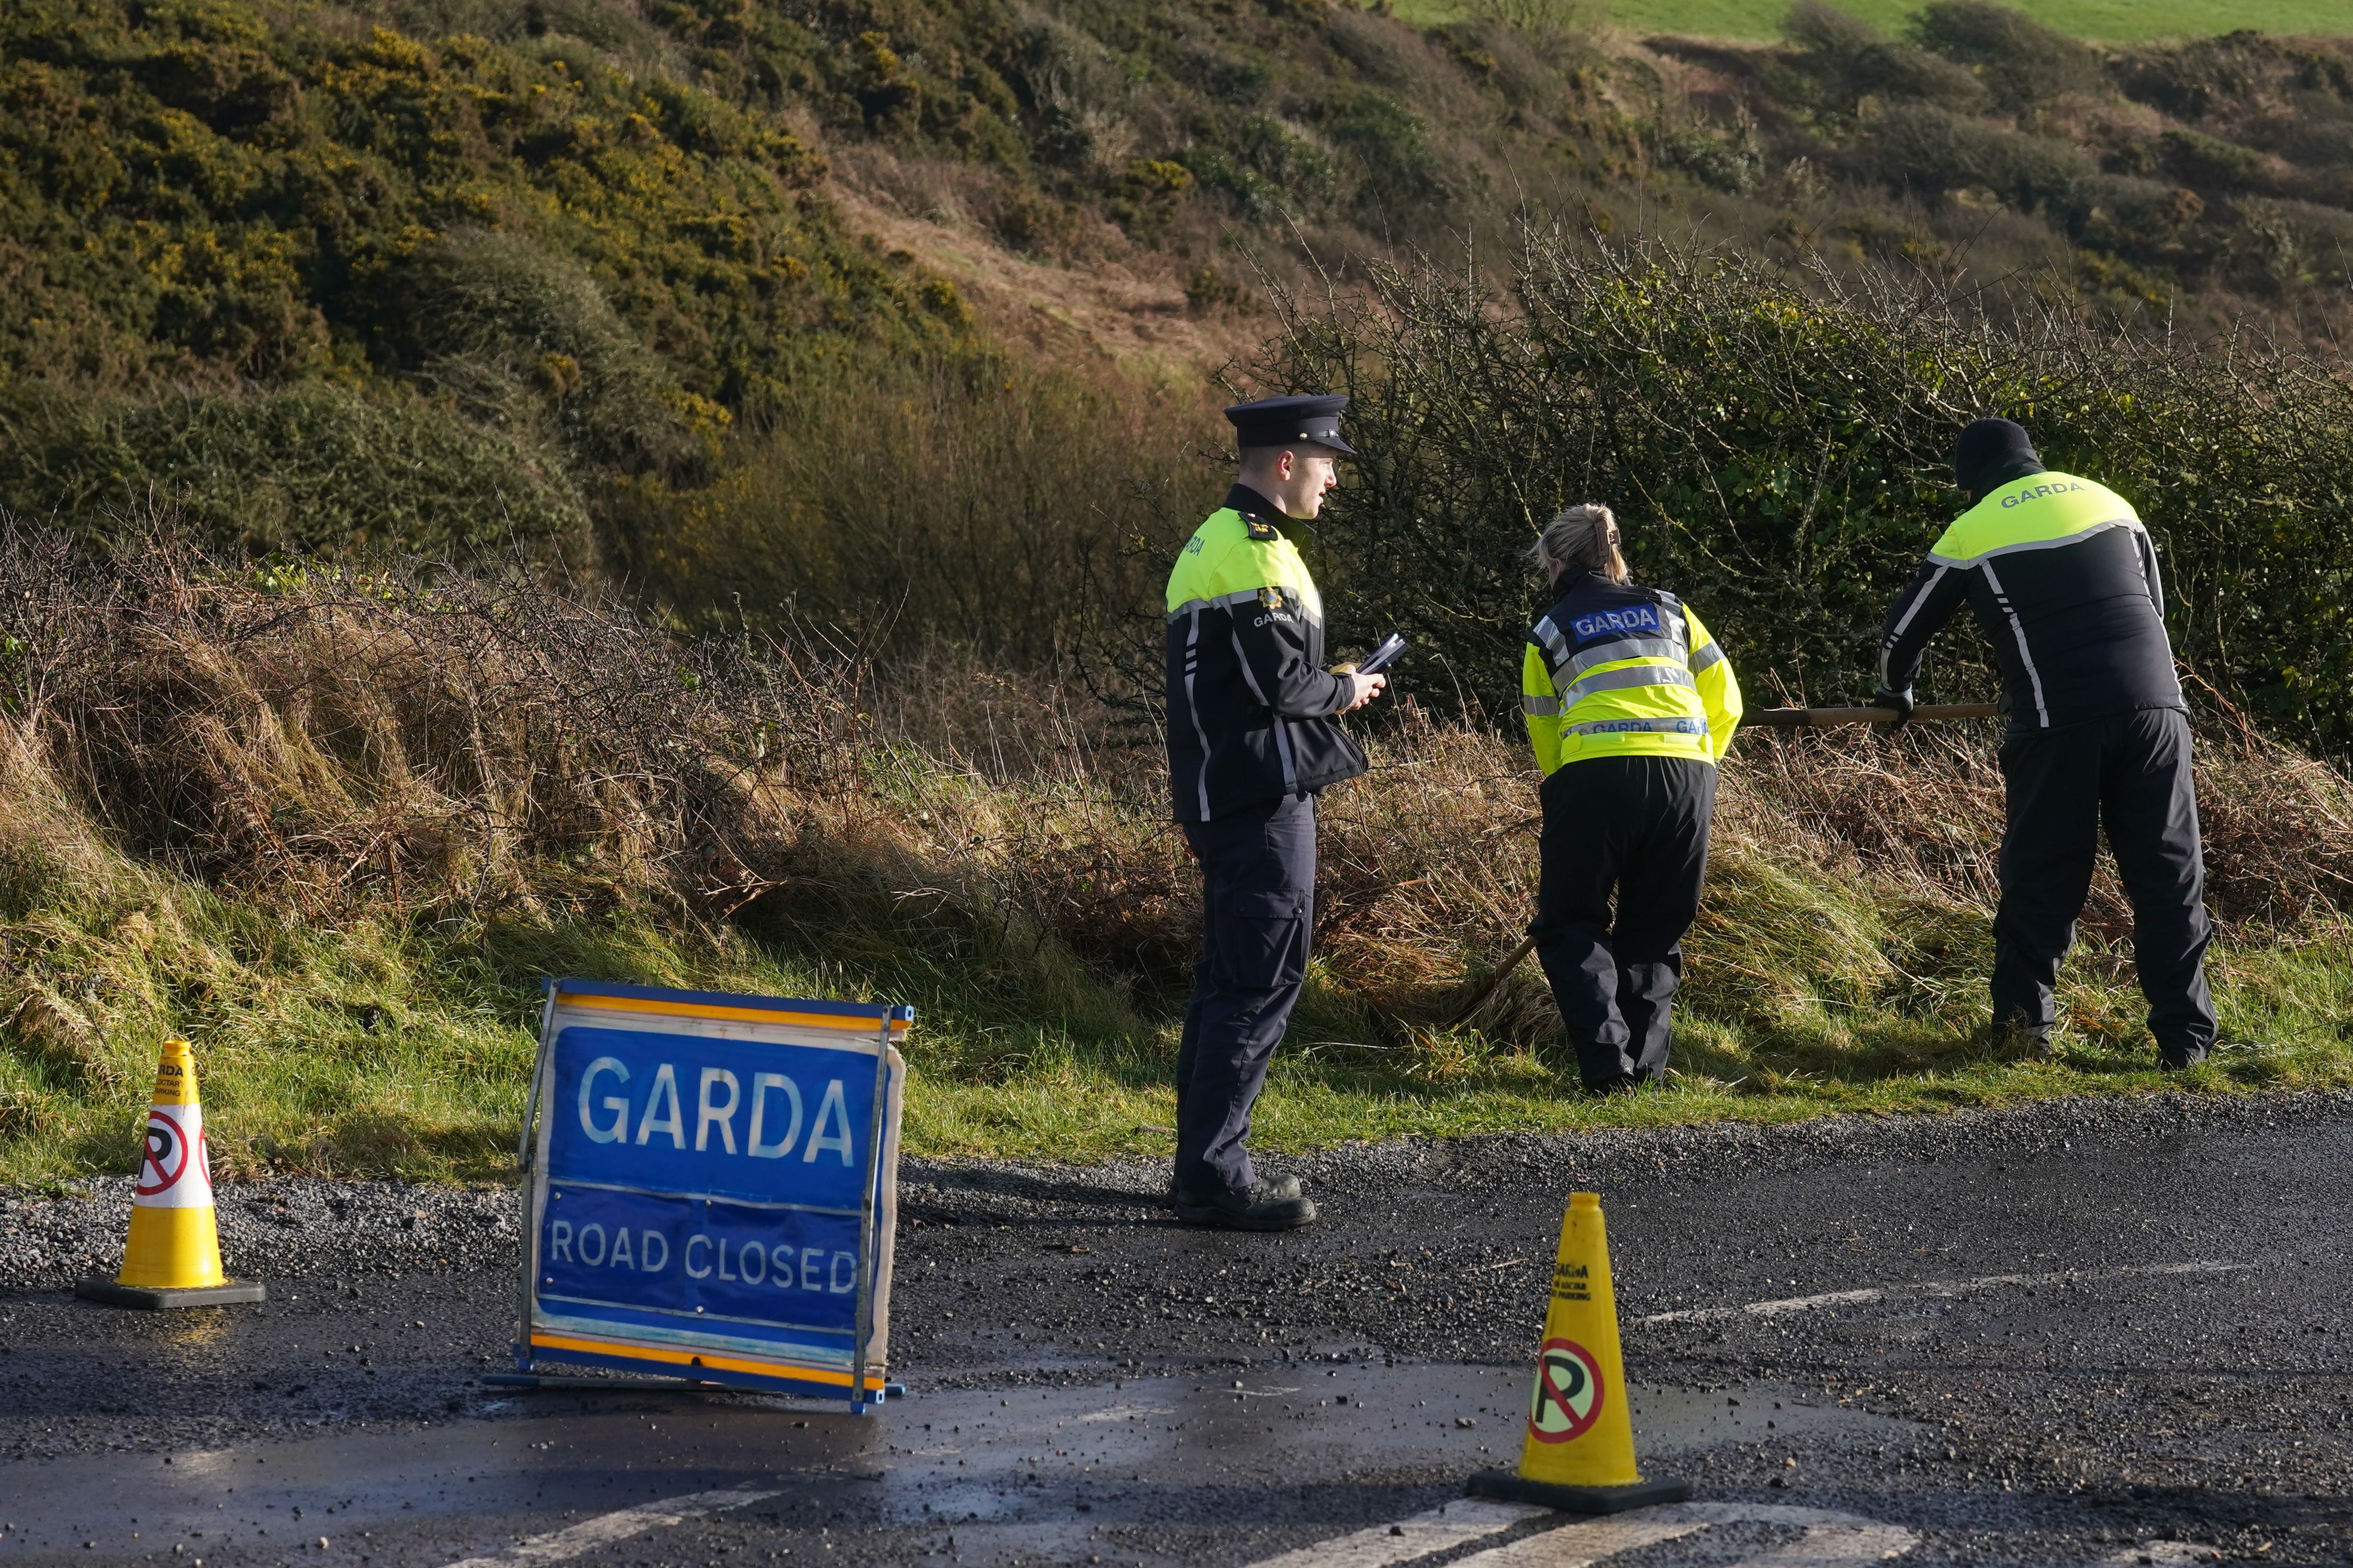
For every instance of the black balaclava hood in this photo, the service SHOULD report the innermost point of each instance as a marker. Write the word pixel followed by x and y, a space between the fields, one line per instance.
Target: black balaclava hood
pixel 1993 452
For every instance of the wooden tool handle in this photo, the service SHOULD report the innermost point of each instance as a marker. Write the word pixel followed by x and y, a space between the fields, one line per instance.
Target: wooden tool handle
pixel 1823 717
pixel 1489 986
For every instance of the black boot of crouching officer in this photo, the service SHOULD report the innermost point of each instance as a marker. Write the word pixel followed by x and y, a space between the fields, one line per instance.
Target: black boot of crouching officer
pixel 1264 1204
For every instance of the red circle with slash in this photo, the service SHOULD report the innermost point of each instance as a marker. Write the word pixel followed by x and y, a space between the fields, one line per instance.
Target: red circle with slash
pixel 166 1159
pixel 1568 1395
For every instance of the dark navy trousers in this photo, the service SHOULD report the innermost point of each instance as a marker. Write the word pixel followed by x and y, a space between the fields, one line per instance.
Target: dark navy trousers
pixel 1258 913
pixel 2130 773
pixel 1636 827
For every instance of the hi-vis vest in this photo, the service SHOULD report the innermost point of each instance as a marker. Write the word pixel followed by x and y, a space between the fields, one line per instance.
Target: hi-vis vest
pixel 1250 705
pixel 2063 581
pixel 1615 671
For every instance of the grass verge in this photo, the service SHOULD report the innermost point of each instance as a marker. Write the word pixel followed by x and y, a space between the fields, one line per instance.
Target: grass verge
pixel 333 828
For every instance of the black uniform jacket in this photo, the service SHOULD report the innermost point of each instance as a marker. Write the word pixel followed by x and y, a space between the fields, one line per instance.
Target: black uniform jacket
pixel 1250 706
pixel 2064 580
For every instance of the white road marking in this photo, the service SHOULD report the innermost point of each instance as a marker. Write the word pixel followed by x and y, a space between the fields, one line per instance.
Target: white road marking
pixel 1587 1542
pixel 558 1545
pixel 1933 1288
pixel 1837 1546
pixel 1441 1529
pixel 2163 1553
pixel 1761 1513
pixel 1832 1539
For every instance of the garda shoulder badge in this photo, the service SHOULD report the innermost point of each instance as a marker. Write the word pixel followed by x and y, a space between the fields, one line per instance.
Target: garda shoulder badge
pixel 1270 597
pixel 1260 529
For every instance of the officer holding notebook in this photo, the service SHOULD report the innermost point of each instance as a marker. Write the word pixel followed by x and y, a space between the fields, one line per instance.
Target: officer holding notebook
pixel 1253 737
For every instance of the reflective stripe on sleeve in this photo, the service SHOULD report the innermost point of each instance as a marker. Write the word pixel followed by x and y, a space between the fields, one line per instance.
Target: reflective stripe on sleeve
pixel 1539 707
pixel 1622 680
pixel 1548 637
pixel 2018 630
pixel 1895 633
pixel 1705 655
pixel 1193 709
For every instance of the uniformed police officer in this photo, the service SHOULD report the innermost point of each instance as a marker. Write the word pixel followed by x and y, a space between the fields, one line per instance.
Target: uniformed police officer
pixel 1251 739
pixel 2065 583
pixel 1630 705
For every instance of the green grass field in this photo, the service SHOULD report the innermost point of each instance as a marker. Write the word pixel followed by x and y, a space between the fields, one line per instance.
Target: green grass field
pixel 2108 20
pixel 376 1046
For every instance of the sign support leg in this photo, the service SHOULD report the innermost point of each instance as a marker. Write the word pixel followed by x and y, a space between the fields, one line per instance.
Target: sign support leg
pixel 867 1244
pixel 532 1184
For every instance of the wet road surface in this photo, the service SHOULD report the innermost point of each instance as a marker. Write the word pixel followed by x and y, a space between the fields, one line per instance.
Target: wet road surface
pixel 2066 1334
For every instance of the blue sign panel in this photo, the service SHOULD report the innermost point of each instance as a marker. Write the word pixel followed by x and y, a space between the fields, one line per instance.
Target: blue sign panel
pixel 713 1186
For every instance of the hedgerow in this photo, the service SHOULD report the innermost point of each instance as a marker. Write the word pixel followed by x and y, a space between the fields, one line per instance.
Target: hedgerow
pixel 1777 449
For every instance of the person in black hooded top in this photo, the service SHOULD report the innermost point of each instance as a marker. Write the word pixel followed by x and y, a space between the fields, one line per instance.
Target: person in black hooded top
pixel 2063 581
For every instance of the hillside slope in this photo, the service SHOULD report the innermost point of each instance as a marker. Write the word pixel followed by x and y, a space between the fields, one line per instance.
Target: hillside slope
pixel 454 276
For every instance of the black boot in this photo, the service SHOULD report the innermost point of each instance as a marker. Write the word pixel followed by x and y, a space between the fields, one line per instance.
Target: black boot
pixel 1282 1184
pixel 1261 1206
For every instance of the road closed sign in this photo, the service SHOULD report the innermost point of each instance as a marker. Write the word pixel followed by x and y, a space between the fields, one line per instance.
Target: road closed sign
pixel 712 1186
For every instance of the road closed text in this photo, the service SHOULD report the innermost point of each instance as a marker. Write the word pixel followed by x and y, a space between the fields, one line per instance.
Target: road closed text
pixel 732 1259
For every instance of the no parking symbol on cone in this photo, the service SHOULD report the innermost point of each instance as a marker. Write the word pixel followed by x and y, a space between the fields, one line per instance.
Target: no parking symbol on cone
pixel 172 1257
pixel 1579 1450
pixel 1568 1395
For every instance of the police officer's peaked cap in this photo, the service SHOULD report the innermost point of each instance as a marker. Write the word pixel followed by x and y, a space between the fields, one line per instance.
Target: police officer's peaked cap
pixel 1281 421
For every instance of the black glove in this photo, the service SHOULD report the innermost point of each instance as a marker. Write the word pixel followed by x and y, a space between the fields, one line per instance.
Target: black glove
pixel 1899 701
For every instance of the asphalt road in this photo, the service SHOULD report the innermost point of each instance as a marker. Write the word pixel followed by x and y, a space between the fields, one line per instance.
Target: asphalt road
pixel 2085 1332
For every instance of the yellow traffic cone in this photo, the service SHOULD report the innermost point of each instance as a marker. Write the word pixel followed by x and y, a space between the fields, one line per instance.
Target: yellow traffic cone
pixel 172 1256
pixel 1579 1450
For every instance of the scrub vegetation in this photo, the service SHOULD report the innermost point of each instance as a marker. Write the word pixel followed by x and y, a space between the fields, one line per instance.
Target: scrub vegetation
pixel 608 285
pixel 333 825
pixel 2114 21
pixel 679 493
pixel 1777 442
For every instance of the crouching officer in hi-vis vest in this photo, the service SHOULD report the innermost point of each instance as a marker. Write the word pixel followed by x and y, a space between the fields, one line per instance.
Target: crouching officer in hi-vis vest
pixel 1251 739
pixel 1630 705
pixel 2063 582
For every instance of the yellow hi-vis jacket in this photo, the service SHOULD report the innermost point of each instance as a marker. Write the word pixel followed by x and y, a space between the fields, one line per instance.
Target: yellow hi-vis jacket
pixel 1614 670
pixel 1251 710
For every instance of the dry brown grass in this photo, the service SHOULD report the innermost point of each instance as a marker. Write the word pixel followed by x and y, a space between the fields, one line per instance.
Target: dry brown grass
pixel 327 743
pixel 335 826
pixel 1924 812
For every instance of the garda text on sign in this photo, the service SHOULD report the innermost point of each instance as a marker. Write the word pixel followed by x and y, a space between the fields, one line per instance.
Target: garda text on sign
pixel 712 1186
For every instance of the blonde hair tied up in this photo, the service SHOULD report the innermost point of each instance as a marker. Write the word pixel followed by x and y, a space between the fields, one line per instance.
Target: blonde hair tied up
pixel 1581 537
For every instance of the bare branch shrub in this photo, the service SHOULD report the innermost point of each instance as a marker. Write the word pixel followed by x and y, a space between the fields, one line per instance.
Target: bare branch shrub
pixel 1776 446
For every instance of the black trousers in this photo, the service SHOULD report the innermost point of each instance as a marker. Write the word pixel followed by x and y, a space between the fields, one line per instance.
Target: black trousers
pixel 1637 824
pixel 2129 772
pixel 1257 912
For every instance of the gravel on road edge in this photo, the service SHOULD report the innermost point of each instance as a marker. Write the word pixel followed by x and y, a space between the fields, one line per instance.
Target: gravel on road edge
pixel 298 1228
